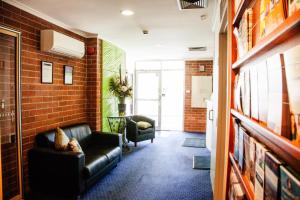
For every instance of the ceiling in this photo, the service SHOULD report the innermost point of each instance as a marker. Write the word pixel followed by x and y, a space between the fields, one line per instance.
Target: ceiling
pixel 171 31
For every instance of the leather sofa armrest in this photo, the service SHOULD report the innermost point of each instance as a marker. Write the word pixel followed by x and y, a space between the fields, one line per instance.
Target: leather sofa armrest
pixel 56 171
pixel 104 138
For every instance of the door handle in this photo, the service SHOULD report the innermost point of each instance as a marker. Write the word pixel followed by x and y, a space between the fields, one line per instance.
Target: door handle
pixel 210 115
pixel 2 104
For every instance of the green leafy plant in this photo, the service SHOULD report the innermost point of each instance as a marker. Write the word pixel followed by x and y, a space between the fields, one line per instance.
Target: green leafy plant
pixel 120 88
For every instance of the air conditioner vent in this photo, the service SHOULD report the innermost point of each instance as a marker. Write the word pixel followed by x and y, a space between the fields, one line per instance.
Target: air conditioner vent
pixel 197 48
pixel 192 4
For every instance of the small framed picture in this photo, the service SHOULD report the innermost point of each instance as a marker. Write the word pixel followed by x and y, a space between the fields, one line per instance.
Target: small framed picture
pixel 68 77
pixel 47 72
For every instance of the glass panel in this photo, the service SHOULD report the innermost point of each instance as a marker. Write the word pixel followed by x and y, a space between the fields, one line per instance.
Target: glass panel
pixel 148 85
pixel 9 145
pixel 148 65
pixel 149 109
pixel 148 95
pixel 172 100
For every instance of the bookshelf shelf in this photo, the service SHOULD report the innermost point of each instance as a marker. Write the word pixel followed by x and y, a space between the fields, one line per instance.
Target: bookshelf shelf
pixel 283 147
pixel 240 11
pixel 244 181
pixel 287 29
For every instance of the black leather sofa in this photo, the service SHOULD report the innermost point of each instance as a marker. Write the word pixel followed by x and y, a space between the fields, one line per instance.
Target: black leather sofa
pixel 69 174
pixel 134 134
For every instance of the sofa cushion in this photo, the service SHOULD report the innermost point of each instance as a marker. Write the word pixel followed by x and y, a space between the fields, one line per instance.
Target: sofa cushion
pixel 146 131
pixel 80 132
pixel 94 163
pixel 77 131
pixel 61 140
pixel 111 152
pixel 74 146
pixel 97 157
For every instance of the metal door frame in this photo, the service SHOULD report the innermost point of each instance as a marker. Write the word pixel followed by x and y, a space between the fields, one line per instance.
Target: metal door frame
pixel 18 117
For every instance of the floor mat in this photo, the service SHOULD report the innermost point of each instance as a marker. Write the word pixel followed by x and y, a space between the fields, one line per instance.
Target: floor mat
pixel 201 162
pixel 194 142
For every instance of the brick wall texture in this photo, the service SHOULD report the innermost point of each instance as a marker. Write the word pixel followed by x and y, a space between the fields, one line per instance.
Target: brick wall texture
pixel 194 118
pixel 47 106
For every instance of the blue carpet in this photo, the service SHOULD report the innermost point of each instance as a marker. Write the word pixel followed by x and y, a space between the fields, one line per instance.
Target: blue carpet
pixel 158 171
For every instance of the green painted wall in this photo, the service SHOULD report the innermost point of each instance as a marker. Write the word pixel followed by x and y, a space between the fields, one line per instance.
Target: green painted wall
pixel 113 57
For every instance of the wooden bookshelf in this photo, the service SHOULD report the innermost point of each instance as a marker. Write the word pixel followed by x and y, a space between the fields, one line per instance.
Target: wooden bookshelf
pixel 242 179
pixel 287 29
pixel 240 11
pixel 285 36
pixel 281 146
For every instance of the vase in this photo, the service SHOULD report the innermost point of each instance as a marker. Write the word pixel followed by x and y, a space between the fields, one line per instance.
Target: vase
pixel 122 109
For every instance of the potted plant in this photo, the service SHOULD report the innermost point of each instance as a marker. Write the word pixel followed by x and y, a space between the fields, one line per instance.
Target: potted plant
pixel 120 89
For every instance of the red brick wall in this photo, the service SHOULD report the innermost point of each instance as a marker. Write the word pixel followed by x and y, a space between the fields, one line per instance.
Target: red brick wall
pixel 94 84
pixel 46 106
pixel 194 118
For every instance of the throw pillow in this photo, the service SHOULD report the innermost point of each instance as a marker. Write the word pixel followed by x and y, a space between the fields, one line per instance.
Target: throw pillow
pixel 74 146
pixel 61 140
pixel 143 125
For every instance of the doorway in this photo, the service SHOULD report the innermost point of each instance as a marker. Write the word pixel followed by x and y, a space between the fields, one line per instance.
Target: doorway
pixel 159 92
pixel 10 115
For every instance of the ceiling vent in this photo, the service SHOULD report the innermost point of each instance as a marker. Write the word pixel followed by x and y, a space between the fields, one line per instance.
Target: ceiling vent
pixel 197 48
pixel 192 4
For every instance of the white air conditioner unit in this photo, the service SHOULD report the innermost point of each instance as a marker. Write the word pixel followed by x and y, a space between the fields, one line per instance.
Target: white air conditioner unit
pixel 58 43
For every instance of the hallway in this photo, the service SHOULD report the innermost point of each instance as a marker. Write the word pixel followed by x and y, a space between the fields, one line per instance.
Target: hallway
pixel 160 171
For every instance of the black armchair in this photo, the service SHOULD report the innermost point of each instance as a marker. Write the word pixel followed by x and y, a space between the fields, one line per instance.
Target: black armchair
pixel 134 134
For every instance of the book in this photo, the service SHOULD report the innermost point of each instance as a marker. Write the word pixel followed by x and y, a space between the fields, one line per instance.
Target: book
pixel 247 168
pixel 242 90
pixel 241 147
pixel 262 77
pixel 259 171
pixel 278 109
pixel 290 184
pixel 294 5
pixel 236 5
pixel 254 92
pixel 246 95
pixel 264 9
pixel 276 15
pixel 292 70
pixel 236 138
pixel 252 161
pixel 242 132
pixel 243 33
pixel 238 193
pixel 237 93
pixel 272 176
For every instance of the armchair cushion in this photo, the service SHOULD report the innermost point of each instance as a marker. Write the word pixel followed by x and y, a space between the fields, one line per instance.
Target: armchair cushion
pixel 143 125
pixel 145 131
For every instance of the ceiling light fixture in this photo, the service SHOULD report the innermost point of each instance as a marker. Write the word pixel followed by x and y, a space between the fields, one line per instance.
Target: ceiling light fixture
pixel 127 12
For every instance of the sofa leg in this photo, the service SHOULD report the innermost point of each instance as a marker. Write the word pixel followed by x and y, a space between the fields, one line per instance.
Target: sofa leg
pixel 135 144
pixel 152 140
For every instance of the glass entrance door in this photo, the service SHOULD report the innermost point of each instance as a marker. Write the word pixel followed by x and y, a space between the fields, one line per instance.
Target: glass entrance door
pixel 11 187
pixel 159 92
pixel 147 95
